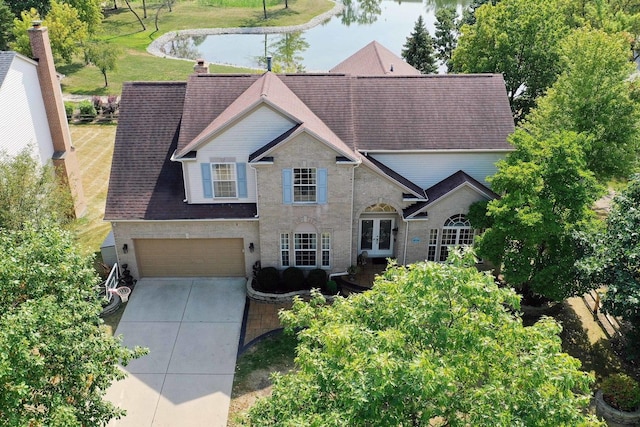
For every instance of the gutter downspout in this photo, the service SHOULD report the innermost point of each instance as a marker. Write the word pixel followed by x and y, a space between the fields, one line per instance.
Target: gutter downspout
pixel 353 191
pixel 406 240
pixel 255 180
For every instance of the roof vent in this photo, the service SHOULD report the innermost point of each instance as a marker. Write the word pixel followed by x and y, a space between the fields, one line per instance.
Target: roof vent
pixel 391 69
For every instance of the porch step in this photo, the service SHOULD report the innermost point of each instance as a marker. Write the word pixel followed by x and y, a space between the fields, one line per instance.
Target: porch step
pixel 608 323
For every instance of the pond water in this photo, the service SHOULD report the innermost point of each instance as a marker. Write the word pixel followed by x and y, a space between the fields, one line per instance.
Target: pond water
pixel 319 48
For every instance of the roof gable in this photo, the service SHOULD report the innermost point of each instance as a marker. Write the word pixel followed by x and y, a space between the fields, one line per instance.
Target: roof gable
pixel 444 188
pixel 269 90
pixel 375 60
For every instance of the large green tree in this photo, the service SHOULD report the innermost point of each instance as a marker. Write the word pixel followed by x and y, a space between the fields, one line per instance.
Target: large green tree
pixel 533 229
pixel 592 96
pixel 418 49
pixel 615 260
pixel 56 360
pixel 89 12
pixel 518 38
pixel 66 31
pixel 430 344
pixel 19 6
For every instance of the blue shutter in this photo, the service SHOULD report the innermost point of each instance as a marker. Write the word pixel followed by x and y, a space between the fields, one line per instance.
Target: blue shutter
pixel 287 186
pixel 322 186
pixel 206 180
pixel 241 170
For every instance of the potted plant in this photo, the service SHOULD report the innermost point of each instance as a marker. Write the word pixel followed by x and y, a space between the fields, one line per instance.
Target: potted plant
pixel 352 271
pixel 618 400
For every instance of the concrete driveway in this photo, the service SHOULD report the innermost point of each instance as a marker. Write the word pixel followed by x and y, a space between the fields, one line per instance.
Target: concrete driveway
pixel 192 329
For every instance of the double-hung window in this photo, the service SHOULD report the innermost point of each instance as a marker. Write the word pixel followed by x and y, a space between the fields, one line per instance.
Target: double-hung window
pixel 326 249
pixel 224 181
pixel 304 185
pixel 284 250
pixel 305 248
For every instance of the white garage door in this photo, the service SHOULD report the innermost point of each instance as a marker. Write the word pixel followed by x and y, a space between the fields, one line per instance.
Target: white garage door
pixel 189 257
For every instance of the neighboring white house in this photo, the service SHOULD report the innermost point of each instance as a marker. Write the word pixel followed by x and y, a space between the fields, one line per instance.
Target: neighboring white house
pixel 22 112
pixel 32 113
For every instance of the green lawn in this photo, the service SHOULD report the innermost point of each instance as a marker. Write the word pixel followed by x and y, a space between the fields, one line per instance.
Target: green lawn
pixel 122 28
pixel 94 147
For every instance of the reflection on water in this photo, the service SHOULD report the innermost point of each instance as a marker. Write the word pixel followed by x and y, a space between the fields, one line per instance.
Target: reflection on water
pixel 183 47
pixel 324 46
pixel 286 52
pixel 360 11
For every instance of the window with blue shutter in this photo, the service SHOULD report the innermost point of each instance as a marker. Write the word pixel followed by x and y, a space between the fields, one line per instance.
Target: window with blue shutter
pixel 241 170
pixel 322 186
pixel 206 180
pixel 287 186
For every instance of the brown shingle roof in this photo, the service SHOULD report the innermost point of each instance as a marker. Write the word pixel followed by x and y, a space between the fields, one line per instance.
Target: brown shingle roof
pixel 369 114
pixel 270 90
pixel 425 112
pixel 435 112
pixel 374 60
pixel 144 182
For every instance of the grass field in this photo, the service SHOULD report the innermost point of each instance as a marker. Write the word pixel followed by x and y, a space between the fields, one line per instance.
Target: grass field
pixel 123 29
pixel 94 146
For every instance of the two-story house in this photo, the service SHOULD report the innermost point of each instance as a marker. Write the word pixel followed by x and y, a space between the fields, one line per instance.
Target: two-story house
pixel 309 170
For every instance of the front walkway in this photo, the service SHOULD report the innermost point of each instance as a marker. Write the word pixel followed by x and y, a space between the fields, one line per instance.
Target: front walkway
pixel 192 329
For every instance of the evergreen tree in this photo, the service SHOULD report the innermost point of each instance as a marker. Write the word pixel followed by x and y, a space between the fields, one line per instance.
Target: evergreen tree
pixel 418 49
pixel 446 35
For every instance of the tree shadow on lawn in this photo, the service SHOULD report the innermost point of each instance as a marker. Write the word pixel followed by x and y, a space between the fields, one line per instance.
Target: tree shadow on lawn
pixel 596 357
pixel 257 19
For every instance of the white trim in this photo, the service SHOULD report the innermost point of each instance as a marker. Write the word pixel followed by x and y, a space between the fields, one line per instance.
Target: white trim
pixel 144 221
pixel 377 170
pixel 297 132
pixel 439 150
pixel 466 183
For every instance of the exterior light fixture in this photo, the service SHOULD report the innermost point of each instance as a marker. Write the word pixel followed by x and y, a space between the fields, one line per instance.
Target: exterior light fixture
pixel 125 248
pixel 251 247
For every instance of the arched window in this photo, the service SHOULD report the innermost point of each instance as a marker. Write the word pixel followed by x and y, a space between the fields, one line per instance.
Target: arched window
pixel 456 231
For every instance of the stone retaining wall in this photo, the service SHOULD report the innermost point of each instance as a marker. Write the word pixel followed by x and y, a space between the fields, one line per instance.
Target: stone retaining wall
pixel 278 298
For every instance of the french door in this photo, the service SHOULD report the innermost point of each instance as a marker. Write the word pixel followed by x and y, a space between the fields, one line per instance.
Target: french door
pixel 376 237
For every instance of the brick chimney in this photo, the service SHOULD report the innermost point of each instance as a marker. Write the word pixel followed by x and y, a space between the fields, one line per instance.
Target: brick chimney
pixel 201 67
pixel 64 158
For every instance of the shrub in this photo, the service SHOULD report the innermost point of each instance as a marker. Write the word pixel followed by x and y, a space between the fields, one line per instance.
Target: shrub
pixel 87 110
pixel 69 108
pixel 317 279
pixel 268 279
pixel 97 102
pixel 332 287
pixel 622 392
pixel 293 279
